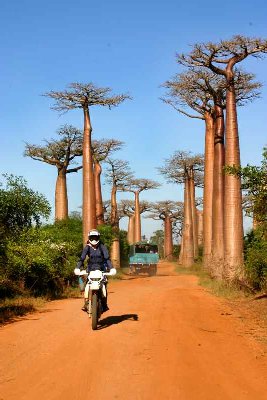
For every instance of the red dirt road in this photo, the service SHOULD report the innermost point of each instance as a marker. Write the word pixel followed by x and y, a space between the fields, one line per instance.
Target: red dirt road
pixel 163 338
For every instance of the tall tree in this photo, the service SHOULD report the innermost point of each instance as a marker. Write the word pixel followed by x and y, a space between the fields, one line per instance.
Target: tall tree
pixel 137 186
pixel 84 96
pixel 101 150
pixel 205 92
pixel 128 209
pixel 178 169
pixel 167 211
pixel 118 175
pixel 214 56
pixel 61 154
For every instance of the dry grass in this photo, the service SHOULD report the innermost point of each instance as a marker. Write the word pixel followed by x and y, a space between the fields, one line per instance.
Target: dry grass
pixel 19 306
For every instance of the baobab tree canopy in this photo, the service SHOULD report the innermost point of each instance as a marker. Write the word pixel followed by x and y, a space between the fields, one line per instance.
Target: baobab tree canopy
pixel 83 95
pixel 102 148
pixel 176 166
pixel 213 55
pixel 200 88
pixel 58 152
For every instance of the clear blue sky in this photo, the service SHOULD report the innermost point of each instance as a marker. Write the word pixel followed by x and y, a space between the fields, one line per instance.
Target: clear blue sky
pixel 130 47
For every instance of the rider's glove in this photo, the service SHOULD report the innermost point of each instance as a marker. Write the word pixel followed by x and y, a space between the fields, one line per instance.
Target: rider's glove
pixel 77 271
pixel 113 271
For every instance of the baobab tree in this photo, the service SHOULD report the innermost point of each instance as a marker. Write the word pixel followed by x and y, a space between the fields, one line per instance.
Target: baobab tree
pixel 167 211
pixel 183 168
pixel 214 56
pixel 101 150
pixel 205 92
pixel 137 186
pixel 128 209
pixel 118 175
pixel 61 154
pixel 84 96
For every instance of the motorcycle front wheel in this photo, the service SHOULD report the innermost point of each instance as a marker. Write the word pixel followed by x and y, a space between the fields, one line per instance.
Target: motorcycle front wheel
pixel 95 313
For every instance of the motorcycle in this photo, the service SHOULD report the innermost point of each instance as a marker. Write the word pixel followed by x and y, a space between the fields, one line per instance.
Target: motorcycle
pixel 95 293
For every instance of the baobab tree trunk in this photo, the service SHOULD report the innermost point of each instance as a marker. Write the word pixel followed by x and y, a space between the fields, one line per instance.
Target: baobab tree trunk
pixel 61 197
pixel 130 233
pixel 180 259
pixel 218 196
pixel 168 242
pixel 137 224
pixel 89 204
pixel 115 253
pixel 194 212
pixel 233 223
pixel 98 194
pixel 208 188
pixel 200 227
pixel 115 245
pixel 188 245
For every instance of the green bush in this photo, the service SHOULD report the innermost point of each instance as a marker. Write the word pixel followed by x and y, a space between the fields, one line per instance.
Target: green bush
pixel 256 259
pixel 41 261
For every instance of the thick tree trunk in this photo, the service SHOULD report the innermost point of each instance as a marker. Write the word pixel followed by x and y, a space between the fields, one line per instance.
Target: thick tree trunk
pixel 115 253
pixel 115 246
pixel 130 233
pixel 98 194
pixel 114 222
pixel 61 196
pixel 218 196
pixel 89 205
pixel 208 189
pixel 168 242
pixel 188 245
pixel 200 227
pixel 181 254
pixel 194 212
pixel 137 224
pixel 233 222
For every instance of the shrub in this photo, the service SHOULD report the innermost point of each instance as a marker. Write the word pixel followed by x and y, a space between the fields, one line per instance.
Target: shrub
pixel 256 259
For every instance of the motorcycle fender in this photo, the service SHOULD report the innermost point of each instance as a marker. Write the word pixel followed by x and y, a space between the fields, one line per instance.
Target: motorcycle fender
pixel 104 291
pixel 86 291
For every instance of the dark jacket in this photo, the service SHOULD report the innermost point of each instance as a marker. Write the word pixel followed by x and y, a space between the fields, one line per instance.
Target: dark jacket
pixel 98 258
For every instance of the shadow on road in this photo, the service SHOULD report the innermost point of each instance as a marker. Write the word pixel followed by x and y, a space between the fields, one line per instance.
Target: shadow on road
pixel 117 319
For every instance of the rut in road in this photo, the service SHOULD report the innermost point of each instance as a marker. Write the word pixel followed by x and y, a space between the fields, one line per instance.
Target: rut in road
pixel 163 338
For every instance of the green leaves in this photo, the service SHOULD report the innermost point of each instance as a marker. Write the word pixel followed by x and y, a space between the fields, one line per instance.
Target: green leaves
pixel 20 207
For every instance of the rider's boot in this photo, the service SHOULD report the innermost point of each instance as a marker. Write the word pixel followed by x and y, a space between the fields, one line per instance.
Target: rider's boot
pixel 85 307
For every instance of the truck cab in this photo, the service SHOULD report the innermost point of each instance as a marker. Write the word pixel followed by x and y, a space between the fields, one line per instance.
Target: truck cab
pixel 143 258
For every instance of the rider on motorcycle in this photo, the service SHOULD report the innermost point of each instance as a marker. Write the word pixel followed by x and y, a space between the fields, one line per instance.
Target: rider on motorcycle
pixel 98 258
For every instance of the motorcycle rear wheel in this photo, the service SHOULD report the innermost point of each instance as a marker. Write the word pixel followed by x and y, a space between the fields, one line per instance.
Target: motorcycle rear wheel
pixel 95 313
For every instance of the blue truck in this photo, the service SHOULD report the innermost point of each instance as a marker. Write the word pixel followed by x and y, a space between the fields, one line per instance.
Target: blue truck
pixel 144 257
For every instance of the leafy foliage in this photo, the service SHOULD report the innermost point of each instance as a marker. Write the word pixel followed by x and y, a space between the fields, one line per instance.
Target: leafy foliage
pixel 20 207
pixel 254 181
pixel 256 258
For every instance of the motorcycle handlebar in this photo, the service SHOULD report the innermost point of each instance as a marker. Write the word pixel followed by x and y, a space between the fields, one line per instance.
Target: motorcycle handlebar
pixel 84 272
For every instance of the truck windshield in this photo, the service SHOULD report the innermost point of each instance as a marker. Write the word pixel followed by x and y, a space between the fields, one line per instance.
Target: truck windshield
pixel 146 248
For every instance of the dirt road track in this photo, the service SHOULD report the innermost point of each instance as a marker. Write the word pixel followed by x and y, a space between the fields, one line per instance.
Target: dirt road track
pixel 163 338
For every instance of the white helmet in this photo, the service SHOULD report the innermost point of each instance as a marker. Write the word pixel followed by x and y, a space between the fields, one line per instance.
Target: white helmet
pixel 94 237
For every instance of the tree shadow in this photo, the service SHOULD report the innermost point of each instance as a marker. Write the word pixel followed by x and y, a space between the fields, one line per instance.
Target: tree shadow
pixel 116 319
